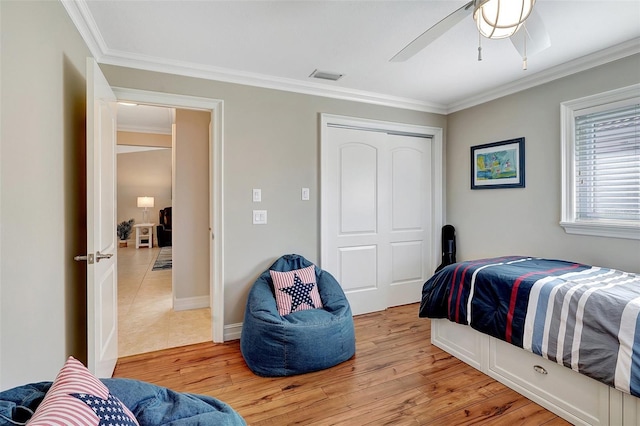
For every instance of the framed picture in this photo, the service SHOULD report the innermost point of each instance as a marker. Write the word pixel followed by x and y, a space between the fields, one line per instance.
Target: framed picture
pixel 498 165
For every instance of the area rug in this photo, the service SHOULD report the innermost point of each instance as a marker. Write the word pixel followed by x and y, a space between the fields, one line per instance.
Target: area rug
pixel 163 261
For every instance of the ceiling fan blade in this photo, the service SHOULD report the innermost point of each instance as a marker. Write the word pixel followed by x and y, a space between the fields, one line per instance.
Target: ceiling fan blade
pixel 427 37
pixel 536 33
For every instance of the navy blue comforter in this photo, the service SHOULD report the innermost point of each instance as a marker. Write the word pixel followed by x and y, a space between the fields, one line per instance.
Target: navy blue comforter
pixel 584 317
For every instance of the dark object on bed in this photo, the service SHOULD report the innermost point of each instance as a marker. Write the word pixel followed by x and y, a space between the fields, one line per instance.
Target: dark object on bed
pixel 448 246
pixel 583 317
pixel 151 404
pixel 163 230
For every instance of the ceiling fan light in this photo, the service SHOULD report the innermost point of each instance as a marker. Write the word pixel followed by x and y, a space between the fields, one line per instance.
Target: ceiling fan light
pixel 496 32
pixel 501 18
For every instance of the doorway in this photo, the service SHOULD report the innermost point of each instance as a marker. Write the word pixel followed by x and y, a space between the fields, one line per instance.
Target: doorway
pixel 155 272
pixel 213 108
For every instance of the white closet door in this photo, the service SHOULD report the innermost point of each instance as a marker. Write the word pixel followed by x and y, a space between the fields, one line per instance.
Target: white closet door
pixel 409 228
pixel 377 203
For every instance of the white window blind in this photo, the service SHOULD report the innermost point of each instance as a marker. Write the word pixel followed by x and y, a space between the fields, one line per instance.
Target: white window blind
pixel 607 165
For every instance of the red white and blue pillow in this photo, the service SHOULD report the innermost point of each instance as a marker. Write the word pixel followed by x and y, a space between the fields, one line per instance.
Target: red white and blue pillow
pixel 78 398
pixel 296 290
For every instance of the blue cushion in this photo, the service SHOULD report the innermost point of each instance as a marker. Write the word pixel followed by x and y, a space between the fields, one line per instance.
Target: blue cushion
pixel 152 405
pixel 156 405
pixel 303 341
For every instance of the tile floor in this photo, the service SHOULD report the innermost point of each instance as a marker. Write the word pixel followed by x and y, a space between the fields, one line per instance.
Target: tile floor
pixel 146 321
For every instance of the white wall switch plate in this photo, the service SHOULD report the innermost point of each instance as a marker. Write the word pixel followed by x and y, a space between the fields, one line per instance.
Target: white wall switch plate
pixel 257 195
pixel 259 217
pixel 305 194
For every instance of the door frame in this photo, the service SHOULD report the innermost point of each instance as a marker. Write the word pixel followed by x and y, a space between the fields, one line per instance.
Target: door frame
pixel 437 171
pixel 216 163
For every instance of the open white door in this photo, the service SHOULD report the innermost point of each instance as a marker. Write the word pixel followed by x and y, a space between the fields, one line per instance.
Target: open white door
pixel 102 276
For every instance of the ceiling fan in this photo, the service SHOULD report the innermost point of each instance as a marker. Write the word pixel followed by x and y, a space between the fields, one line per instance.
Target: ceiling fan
pixel 495 19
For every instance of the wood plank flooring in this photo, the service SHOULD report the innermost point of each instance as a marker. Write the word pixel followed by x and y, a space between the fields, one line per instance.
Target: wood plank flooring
pixel 396 378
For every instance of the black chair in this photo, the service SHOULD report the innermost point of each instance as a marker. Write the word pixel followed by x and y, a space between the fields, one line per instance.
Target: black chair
pixel 163 230
pixel 448 246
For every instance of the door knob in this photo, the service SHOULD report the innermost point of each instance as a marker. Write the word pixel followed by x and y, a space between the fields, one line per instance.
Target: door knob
pixel 87 257
pixel 103 256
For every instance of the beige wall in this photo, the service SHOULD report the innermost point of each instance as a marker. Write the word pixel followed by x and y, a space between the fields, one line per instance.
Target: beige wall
pixel 271 142
pixel 42 191
pixel 525 221
pixel 191 209
pixel 145 173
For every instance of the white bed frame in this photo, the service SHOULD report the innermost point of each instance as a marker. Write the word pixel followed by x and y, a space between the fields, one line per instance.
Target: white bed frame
pixel 571 395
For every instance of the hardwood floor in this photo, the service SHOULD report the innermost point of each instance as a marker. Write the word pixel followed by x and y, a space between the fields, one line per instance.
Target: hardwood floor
pixel 396 378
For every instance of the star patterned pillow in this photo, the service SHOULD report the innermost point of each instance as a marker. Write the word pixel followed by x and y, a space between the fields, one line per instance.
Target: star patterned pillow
pixel 296 290
pixel 77 398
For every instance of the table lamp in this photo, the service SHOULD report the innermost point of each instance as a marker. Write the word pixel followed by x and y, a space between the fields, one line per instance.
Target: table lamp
pixel 145 202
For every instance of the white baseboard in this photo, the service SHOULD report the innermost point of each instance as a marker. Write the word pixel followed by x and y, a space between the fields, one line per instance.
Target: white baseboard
pixel 232 331
pixel 186 303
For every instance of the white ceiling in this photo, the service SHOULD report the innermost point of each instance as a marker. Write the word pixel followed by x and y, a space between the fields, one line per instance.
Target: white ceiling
pixel 280 43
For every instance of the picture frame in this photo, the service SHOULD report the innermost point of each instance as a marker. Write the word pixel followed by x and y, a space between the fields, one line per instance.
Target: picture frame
pixel 498 165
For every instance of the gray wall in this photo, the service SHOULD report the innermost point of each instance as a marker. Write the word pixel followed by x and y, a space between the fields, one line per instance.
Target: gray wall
pixel 493 222
pixel 42 191
pixel 271 142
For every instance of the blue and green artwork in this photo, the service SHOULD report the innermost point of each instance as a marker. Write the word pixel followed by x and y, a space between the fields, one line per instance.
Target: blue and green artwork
pixel 496 165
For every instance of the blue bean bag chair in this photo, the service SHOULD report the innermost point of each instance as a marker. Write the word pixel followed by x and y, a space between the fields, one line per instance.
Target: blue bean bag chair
pixel 300 342
pixel 152 405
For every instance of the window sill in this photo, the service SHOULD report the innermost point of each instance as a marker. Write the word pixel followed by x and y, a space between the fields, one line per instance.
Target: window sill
pixel 613 230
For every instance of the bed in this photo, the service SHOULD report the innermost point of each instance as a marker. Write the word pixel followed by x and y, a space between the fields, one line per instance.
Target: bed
pixel 567 314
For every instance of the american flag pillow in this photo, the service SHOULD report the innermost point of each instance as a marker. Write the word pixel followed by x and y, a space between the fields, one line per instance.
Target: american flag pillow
pixel 77 398
pixel 296 290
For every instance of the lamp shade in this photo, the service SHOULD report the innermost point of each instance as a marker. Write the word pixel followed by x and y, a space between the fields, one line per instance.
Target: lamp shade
pixel 501 18
pixel 145 201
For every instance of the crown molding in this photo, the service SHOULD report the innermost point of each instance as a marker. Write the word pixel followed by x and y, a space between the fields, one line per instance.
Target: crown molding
pixel 83 20
pixel 149 63
pixel 81 17
pixel 628 48
pixel 144 129
pixel 128 149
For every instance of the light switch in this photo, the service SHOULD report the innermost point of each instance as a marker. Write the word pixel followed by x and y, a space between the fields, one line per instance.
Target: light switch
pixel 305 194
pixel 257 195
pixel 259 217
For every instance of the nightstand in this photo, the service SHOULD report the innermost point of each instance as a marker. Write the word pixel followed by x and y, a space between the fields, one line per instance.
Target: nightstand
pixel 144 234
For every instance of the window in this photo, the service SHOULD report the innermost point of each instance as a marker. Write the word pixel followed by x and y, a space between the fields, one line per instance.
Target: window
pixel 601 164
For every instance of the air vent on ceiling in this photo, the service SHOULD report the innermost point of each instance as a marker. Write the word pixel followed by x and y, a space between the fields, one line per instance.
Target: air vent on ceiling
pixel 324 75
